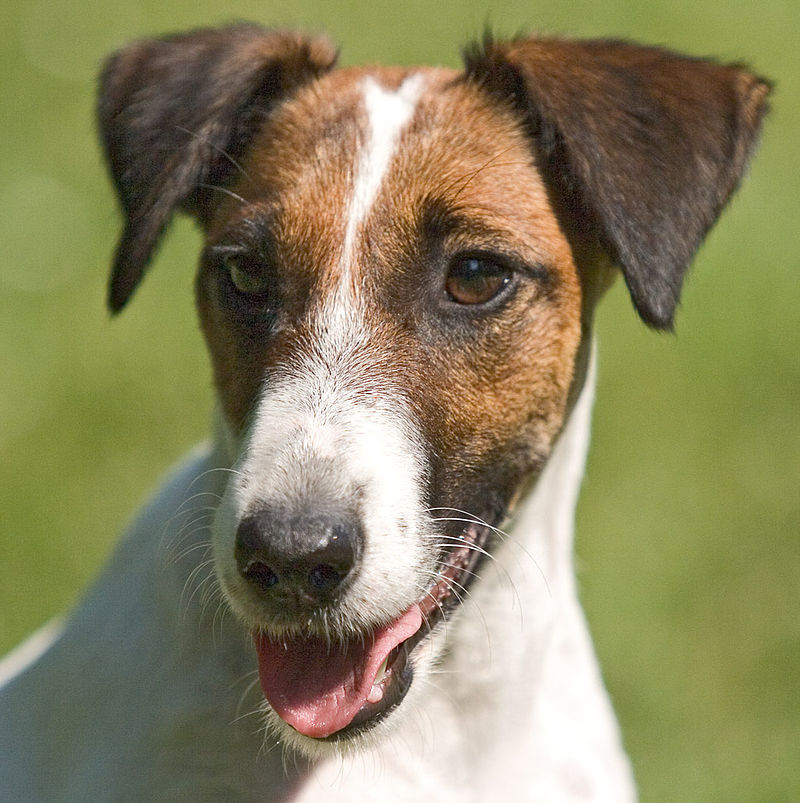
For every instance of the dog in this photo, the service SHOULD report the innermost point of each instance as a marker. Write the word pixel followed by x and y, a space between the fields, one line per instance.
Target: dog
pixel 397 285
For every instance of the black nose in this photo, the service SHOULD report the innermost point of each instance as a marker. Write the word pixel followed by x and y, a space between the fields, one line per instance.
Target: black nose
pixel 297 558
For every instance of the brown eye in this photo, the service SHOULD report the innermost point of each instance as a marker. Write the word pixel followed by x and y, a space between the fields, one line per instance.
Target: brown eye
pixel 474 280
pixel 246 279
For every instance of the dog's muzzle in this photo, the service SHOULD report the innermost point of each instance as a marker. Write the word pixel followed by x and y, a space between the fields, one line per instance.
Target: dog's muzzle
pixel 329 550
pixel 299 565
pixel 322 686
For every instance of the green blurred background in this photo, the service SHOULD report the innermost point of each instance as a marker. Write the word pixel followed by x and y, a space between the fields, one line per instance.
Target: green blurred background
pixel 688 547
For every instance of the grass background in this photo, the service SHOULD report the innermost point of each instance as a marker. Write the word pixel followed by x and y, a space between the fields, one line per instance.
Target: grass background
pixel 688 546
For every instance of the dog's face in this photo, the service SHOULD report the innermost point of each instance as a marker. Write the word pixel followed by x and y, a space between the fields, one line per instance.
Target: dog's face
pixel 396 290
pixel 393 315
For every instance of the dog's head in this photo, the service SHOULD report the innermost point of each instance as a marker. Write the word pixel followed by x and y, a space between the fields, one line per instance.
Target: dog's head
pixel 396 289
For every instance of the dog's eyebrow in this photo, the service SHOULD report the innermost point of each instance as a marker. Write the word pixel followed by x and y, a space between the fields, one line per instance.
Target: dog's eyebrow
pixel 252 232
pixel 439 219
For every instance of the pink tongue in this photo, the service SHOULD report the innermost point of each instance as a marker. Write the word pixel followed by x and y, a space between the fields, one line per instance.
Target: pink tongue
pixel 318 687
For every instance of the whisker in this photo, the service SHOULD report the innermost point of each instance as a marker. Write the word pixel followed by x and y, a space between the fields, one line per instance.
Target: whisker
pixel 170 539
pixel 223 190
pixel 189 530
pixel 468 178
pixel 470 518
pixel 204 566
pixel 204 545
pixel 189 499
pixel 463 594
pixel 252 683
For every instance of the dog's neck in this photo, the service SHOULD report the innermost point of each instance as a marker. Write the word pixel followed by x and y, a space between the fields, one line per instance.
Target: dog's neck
pixel 545 520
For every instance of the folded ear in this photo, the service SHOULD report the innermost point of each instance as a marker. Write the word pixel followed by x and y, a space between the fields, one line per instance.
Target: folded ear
pixel 177 113
pixel 640 146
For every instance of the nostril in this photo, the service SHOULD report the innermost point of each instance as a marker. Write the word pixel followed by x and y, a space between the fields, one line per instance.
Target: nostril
pixel 334 553
pixel 261 575
pixel 324 577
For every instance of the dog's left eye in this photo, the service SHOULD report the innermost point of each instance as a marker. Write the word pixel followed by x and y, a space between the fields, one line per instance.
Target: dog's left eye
pixel 247 279
pixel 475 280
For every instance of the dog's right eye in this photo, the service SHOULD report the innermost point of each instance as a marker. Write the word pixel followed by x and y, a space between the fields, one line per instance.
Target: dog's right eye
pixel 248 279
pixel 473 280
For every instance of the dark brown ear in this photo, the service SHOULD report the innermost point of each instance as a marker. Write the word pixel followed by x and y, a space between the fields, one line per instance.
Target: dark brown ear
pixel 641 147
pixel 175 116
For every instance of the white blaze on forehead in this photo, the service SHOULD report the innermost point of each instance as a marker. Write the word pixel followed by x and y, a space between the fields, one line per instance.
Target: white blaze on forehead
pixel 388 112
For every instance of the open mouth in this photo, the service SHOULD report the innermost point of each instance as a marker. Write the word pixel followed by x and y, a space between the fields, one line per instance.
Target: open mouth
pixel 332 690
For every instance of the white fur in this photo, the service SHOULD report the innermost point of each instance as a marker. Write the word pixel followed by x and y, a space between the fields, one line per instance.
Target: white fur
pixel 143 696
pixel 387 114
pixel 30 651
pixel 314 438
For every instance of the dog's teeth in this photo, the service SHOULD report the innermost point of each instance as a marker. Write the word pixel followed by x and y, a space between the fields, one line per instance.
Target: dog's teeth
pixel 381 672
pixel 375 694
